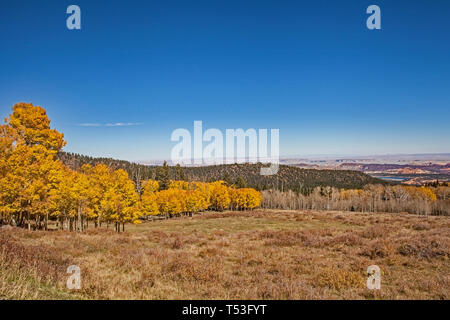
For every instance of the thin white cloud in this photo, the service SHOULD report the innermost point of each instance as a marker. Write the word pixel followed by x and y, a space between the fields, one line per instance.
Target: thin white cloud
pixel 123 124
pixel 115 124
pixel 90 124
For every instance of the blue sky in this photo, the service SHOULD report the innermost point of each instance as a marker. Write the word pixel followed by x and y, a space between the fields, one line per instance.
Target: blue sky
pixel 309 68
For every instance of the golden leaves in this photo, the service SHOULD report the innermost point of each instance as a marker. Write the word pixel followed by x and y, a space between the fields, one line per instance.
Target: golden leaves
pixel 193 197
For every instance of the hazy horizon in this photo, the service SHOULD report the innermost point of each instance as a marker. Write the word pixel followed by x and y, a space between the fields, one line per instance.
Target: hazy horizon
pixel 442 156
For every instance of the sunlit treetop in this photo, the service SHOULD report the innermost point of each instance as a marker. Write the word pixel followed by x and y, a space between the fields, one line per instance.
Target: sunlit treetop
pixel 32 127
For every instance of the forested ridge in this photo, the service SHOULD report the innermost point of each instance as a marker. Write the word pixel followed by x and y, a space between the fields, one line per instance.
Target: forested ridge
pixel 288 177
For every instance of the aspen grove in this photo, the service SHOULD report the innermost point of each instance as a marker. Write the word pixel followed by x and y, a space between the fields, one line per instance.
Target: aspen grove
pixel 36 187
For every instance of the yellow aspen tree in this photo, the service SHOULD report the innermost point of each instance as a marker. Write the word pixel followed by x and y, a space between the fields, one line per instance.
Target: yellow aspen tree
pixel 62 198
pixel 245 198
pixel 33 127
pixel 169 202
pixel 179 184
pixel 121 200
pixel 102 179
pixel 149 205
pixel 150 187
pixel 220 199
pixel 205 194
pixel 194 202
pixel 30 145
pixel 83 195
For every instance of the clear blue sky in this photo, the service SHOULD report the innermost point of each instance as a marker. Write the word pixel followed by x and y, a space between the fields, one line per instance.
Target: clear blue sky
pixel 310 68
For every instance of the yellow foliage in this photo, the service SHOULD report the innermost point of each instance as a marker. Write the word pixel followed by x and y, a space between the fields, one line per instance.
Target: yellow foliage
pixel 121 199
pixel 33 127
pixel 177 184
pixel 150 187
pixel 220 199
pixel 149 205
pixel 245 198
pixel 169 202
pixel 193 197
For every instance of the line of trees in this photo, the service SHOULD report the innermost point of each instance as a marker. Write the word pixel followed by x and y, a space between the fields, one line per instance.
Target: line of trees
pixel 372 198
pixel 183 197
pixel 36 187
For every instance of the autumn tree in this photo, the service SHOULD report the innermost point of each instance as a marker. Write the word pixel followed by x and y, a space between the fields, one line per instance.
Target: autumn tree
pixel 245 198
pixel 101 180
pixel 32 127
pixel 220 198
pixel 121 201
pixel 148 199
pixel 169 202
pixel 62 198
pixel 29 148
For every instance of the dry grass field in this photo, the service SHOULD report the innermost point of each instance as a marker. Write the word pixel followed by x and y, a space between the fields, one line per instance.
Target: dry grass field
pixel 263 254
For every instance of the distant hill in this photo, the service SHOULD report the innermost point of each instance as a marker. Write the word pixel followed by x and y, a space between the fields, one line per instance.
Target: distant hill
pixel 429 167
pixel 287 178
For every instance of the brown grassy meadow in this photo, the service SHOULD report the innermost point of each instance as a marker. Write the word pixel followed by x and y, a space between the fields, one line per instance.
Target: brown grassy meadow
pixel 262 254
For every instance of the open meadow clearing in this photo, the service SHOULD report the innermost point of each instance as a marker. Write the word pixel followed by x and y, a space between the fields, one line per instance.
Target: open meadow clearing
pixel 260 254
